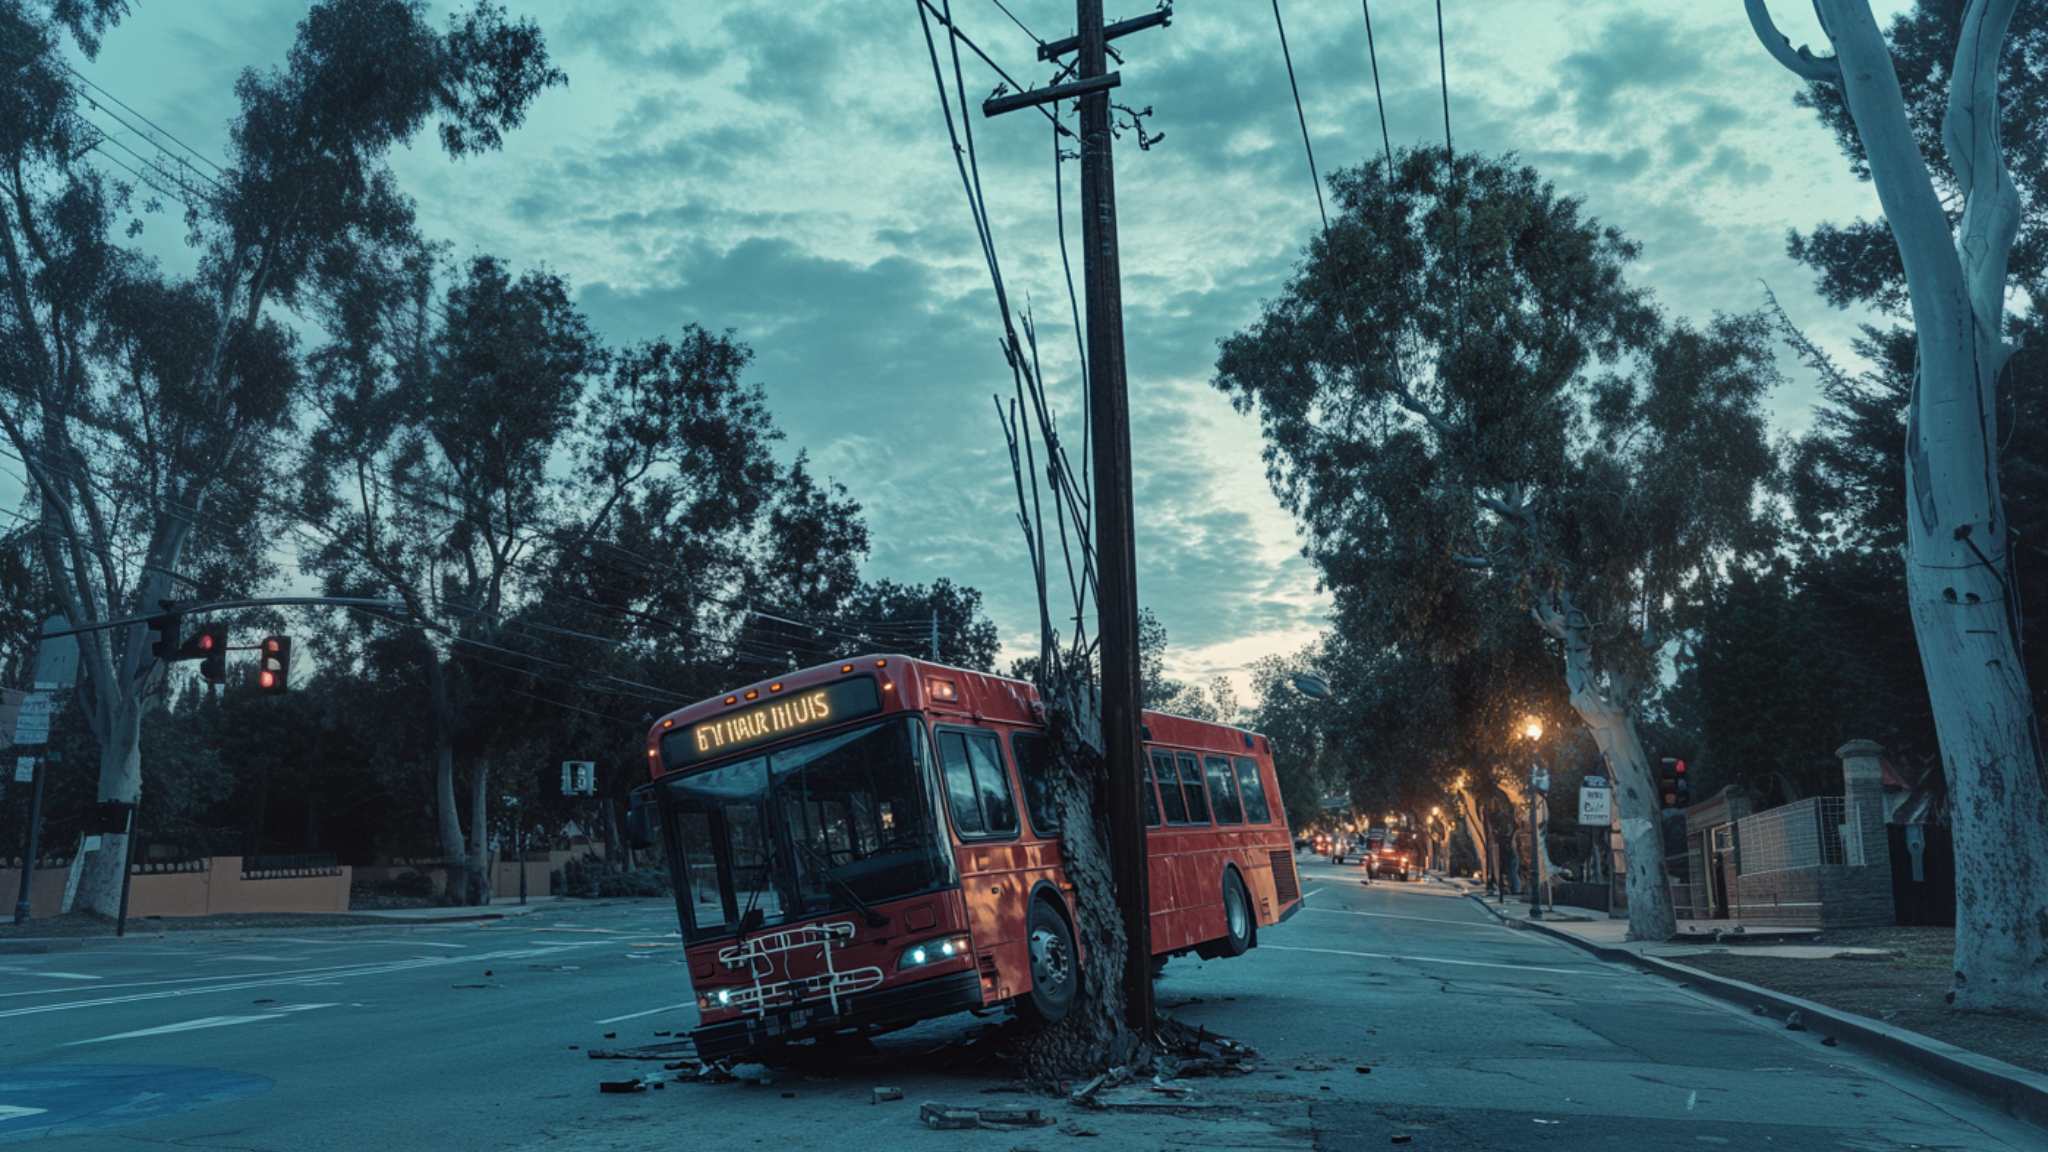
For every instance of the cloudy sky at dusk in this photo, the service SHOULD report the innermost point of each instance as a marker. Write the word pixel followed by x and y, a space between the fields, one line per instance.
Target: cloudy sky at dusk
pixel 780 168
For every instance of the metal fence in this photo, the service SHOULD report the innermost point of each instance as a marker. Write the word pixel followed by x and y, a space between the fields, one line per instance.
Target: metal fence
pixel 1804 834
pixel 285 867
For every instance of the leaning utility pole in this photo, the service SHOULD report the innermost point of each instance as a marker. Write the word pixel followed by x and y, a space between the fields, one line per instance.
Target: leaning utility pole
pixel 1116 597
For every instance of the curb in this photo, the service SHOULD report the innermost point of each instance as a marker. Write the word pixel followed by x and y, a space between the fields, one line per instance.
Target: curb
pixel 2019 1091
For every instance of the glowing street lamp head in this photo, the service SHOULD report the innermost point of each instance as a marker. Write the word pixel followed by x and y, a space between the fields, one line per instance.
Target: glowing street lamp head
pixel 1532 728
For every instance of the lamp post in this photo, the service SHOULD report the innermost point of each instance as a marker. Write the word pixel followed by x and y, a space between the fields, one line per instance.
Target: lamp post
pixel 1436 814
pixel 1533 729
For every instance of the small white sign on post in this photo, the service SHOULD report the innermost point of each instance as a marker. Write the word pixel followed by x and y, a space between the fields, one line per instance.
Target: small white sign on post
pixel 32 723
pixel 1596 805
pixel 24 769
pixel 579 777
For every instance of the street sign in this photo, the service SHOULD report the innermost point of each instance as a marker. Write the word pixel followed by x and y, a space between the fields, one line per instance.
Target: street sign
pixel 32 723
pixel 1540 777
pixel 579 777
pixel 24 769
pixel 1593 782
pixel 56 656
pixel 1595 805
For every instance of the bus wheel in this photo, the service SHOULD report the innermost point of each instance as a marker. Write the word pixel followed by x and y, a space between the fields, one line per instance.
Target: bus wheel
pixel 1237 916
pixel 1054 975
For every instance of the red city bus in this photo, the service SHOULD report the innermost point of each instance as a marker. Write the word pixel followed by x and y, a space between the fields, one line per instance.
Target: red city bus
pixel 868 843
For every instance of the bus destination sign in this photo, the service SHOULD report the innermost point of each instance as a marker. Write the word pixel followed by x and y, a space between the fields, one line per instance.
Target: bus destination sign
pixel 772 720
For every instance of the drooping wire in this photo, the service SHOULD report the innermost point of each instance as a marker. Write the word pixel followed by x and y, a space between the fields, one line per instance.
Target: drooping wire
pixel 1301 116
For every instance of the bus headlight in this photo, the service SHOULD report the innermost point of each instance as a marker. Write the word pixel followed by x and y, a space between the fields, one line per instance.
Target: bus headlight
pixel 722 998
pixel 932 952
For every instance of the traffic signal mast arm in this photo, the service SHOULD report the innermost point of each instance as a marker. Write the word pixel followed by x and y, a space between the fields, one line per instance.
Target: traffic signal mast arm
pixel 174 610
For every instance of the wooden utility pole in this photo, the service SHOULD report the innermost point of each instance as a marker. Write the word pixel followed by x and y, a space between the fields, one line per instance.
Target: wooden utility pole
pixel 1116 599
pixel 1116 564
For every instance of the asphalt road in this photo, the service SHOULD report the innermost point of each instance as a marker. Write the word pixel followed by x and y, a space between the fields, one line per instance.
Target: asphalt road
pixel 460 1037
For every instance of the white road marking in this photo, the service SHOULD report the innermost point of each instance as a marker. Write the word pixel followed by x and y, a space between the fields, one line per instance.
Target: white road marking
pixel 1421 959
pixel 648 1012
pixel 1312 892
pixel 16 1112
pixel 1691 1098
pixel 273 980
pixel 201 1023
pixel 1404 916
pixel 51 975
pixel 247 958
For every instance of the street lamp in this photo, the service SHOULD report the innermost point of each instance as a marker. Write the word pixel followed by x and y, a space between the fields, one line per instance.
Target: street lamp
pixel 1533 729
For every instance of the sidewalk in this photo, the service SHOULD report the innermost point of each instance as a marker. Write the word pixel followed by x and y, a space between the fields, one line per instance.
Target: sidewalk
pixel 2020 1091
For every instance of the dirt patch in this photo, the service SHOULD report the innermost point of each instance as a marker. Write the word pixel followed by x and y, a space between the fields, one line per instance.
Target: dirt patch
pixel 1907 989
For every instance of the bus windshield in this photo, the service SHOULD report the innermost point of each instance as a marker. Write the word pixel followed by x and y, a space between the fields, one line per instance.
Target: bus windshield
pixel 829 824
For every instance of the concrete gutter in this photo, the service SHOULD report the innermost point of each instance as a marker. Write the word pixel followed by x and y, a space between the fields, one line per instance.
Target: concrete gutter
pixel 2020 1091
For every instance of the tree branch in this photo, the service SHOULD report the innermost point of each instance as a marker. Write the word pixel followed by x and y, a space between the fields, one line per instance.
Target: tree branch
pixel 1800 61
pixel 1991 204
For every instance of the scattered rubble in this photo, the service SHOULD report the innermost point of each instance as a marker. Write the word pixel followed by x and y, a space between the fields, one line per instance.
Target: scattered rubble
pixel 884 1095
pixel 935 1115
pixel 1794 1022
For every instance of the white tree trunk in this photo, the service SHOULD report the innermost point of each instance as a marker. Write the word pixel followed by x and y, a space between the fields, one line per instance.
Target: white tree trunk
pixel 1957 540
pixel 1612 722
pixel 99 881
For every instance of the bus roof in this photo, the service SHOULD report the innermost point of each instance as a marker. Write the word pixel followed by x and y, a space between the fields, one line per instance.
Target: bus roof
pixel 912 684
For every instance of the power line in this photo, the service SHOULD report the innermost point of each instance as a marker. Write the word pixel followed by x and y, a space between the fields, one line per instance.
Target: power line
pixel 1301 116
pixel 1379 98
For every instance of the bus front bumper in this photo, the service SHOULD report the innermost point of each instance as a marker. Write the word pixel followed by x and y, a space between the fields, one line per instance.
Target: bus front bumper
pixel 938 996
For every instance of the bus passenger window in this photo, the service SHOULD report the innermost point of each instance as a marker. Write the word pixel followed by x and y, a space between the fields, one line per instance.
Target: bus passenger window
pixel 1169 791
pixel 1223 797
pixel 1150 792
pixel 1256 810
pixel 1191 786
pixel 1033 753
pixel 998 807
pixel 960 794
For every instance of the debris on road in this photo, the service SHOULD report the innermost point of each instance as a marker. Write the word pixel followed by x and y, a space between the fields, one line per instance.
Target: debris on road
pixel 1363 1069
pixel 1072 1128
pixel 622 1086
pixel 1794 1022
pixel 1829 1041
pixel 884 1095
pixel 939 1116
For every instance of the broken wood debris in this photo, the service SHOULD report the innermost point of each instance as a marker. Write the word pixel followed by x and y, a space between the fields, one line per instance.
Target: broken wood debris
pixel 948 1118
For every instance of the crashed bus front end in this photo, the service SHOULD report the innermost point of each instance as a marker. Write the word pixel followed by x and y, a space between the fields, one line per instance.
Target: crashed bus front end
pixel 814 879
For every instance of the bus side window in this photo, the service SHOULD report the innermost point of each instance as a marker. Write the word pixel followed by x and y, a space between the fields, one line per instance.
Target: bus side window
pixel 1191 786
pixel 960 792
pixel 977 786
pixel 1033 754
pixel 1169 791
pixel 1223 799
pixel 1256 811
pixel 1151 794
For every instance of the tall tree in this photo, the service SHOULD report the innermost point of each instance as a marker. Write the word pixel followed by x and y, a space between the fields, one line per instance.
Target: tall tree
pixel 134 421
pixel 1465 402
pixel 1956 271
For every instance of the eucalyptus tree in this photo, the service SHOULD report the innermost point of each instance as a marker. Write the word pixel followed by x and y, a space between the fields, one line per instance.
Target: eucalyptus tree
pixel 1956 270
pixel 140 403
pixel 1465 403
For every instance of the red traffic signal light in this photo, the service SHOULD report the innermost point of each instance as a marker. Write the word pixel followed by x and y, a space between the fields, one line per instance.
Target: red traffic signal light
pixel 273 664
pixel 205 641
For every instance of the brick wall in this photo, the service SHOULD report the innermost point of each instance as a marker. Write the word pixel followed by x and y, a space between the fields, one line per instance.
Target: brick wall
pixel 1829 896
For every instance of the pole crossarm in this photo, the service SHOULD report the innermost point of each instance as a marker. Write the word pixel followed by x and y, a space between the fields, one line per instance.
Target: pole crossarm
pixel 1050 94
pixel 1054 49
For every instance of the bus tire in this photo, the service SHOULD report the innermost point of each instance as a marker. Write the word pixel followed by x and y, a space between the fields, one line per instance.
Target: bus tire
pixel 1055 969
pixel 1237 916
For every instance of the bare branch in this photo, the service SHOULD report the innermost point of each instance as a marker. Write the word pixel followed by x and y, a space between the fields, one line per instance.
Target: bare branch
pixel 1800 61
pixel 1991 212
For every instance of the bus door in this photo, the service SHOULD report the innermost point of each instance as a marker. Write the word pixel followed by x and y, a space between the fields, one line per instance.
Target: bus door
pixel 1159 871
pixel 983 806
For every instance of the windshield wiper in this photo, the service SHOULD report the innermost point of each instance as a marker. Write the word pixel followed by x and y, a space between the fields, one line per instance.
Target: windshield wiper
pixel 874 919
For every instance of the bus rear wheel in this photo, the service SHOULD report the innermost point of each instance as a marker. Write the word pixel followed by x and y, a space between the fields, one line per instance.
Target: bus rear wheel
pixel 1237 916
pixel 1055 973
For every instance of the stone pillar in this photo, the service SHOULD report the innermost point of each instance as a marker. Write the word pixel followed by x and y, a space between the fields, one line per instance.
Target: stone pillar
pixel 1863 835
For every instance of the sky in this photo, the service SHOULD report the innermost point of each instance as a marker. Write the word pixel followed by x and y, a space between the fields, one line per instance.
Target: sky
pixel 780 168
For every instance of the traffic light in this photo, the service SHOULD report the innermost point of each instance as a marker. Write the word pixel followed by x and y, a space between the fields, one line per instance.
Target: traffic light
pixel 1683 789
pixel 163 634
pixel 273 664
pixel 1667 782
pixel 211 647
